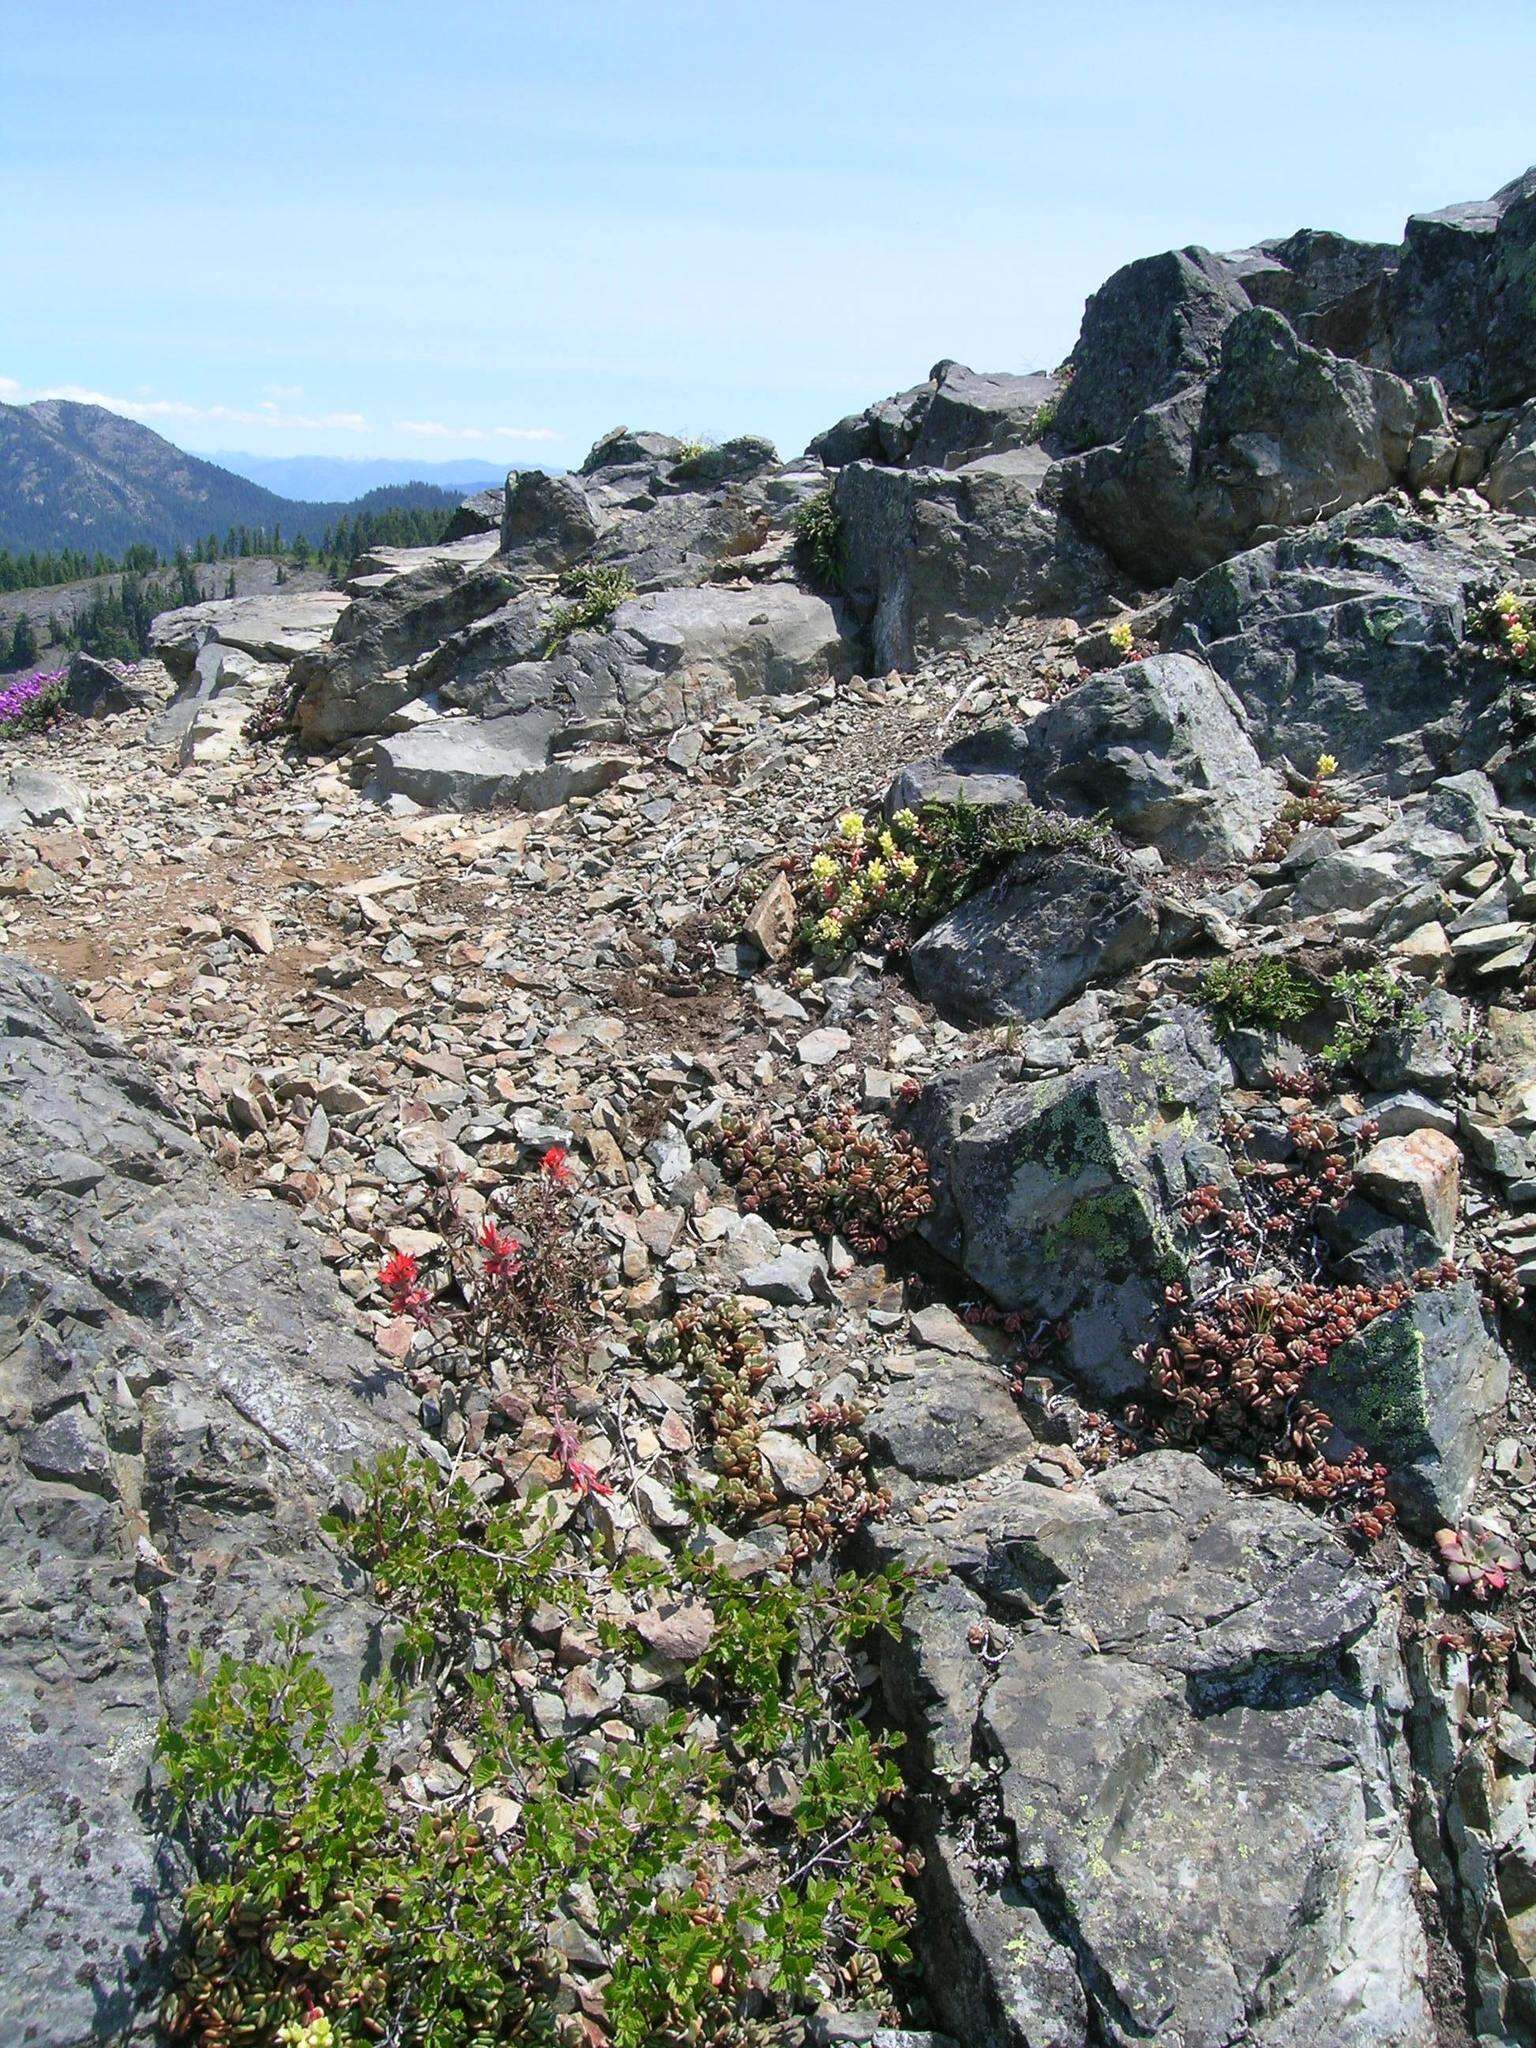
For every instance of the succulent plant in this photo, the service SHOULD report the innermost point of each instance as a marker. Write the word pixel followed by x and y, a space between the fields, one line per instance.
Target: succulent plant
pixel 833 1175
pixel 1478 1559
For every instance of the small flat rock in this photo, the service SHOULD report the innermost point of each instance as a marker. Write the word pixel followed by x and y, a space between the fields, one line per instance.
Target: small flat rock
pixel 681 1632
pixel 797 1471
pixel 820 1048
pixel 794 1279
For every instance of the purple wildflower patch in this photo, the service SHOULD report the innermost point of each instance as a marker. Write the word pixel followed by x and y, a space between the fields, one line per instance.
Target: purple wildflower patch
pixel 31 702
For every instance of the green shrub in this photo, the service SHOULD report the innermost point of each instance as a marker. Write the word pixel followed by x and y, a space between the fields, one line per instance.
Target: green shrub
pixel 596 591
pixel 1265 994
pixel 1372 1003
pixel 326 1911
pixel 819 540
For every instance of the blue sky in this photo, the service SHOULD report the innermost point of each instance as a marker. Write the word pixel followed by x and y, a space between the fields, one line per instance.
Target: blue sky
pixel 496 229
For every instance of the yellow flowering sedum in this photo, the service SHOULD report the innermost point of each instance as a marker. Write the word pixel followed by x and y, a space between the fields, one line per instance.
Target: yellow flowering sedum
pixel 1326 766
pixel 851 826
pixel 824 868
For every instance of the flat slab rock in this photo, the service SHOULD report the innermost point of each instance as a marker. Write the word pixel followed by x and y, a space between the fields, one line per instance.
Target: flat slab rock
pixel 183 1394
pixel 1189 1831
pixel 487 764
pixel 274 627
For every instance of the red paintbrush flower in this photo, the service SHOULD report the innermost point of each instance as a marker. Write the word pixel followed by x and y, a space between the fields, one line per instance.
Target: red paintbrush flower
pixel 400 1278
pixel 582 1476
pixel 503 1253
pixel 556 1165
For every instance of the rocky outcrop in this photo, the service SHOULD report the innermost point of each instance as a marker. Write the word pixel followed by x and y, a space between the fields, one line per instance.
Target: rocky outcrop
pixel 1277 434
pixel 184 1395
pixel 355 682
pixel 1152 330
pixel 279 627
pixel 1459 306
pixel 935 559
pixel 1169 1804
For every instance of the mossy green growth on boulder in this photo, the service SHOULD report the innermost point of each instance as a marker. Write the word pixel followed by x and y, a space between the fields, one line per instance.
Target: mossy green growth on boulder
pixel 1417 1389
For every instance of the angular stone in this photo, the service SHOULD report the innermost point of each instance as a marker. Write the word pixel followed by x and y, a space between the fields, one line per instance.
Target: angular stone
pixel 1060 1197
pixel 952 1418
pixel 1049 927
pixel 1161 748
pixel 1421 1389
pixel 1416 1176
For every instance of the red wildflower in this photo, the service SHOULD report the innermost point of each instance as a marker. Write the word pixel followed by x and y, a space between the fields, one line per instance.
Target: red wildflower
pixel 503 1252
pixel 400 1278
pixel 556 1165
pixel 583 1477
pixel 398 1273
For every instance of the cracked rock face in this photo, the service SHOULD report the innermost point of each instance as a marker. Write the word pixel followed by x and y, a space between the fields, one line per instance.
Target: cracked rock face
pixel 1169 1803
pixel 183 1394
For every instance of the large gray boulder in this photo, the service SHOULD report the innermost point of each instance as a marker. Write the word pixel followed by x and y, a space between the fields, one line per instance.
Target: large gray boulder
pixel 1332 289
pixel 1168 1810
pixel 1161 749
pixel 1278 434
pixel 548 521
pixel 184 1394
pixel 972 413
pixel 1420 1390
pixel 1061 1197
pixel 716 644
pixel 1510 485
pixel 481 513
pixel 1047 928
pixel 1151 330
pixel 882 433
pixel 1350 638
pixel 937 559
pixel 957 415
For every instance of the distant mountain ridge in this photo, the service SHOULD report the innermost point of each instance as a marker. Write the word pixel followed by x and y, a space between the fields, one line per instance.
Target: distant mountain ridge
pixel 331 477
pixel 78 476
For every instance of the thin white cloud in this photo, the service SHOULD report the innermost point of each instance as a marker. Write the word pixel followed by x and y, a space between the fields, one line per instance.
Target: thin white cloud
pixel 267 414
pixel 438 430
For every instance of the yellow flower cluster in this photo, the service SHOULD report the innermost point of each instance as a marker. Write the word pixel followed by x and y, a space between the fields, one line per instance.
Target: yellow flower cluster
pixel 865 871
pixel 312 2033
